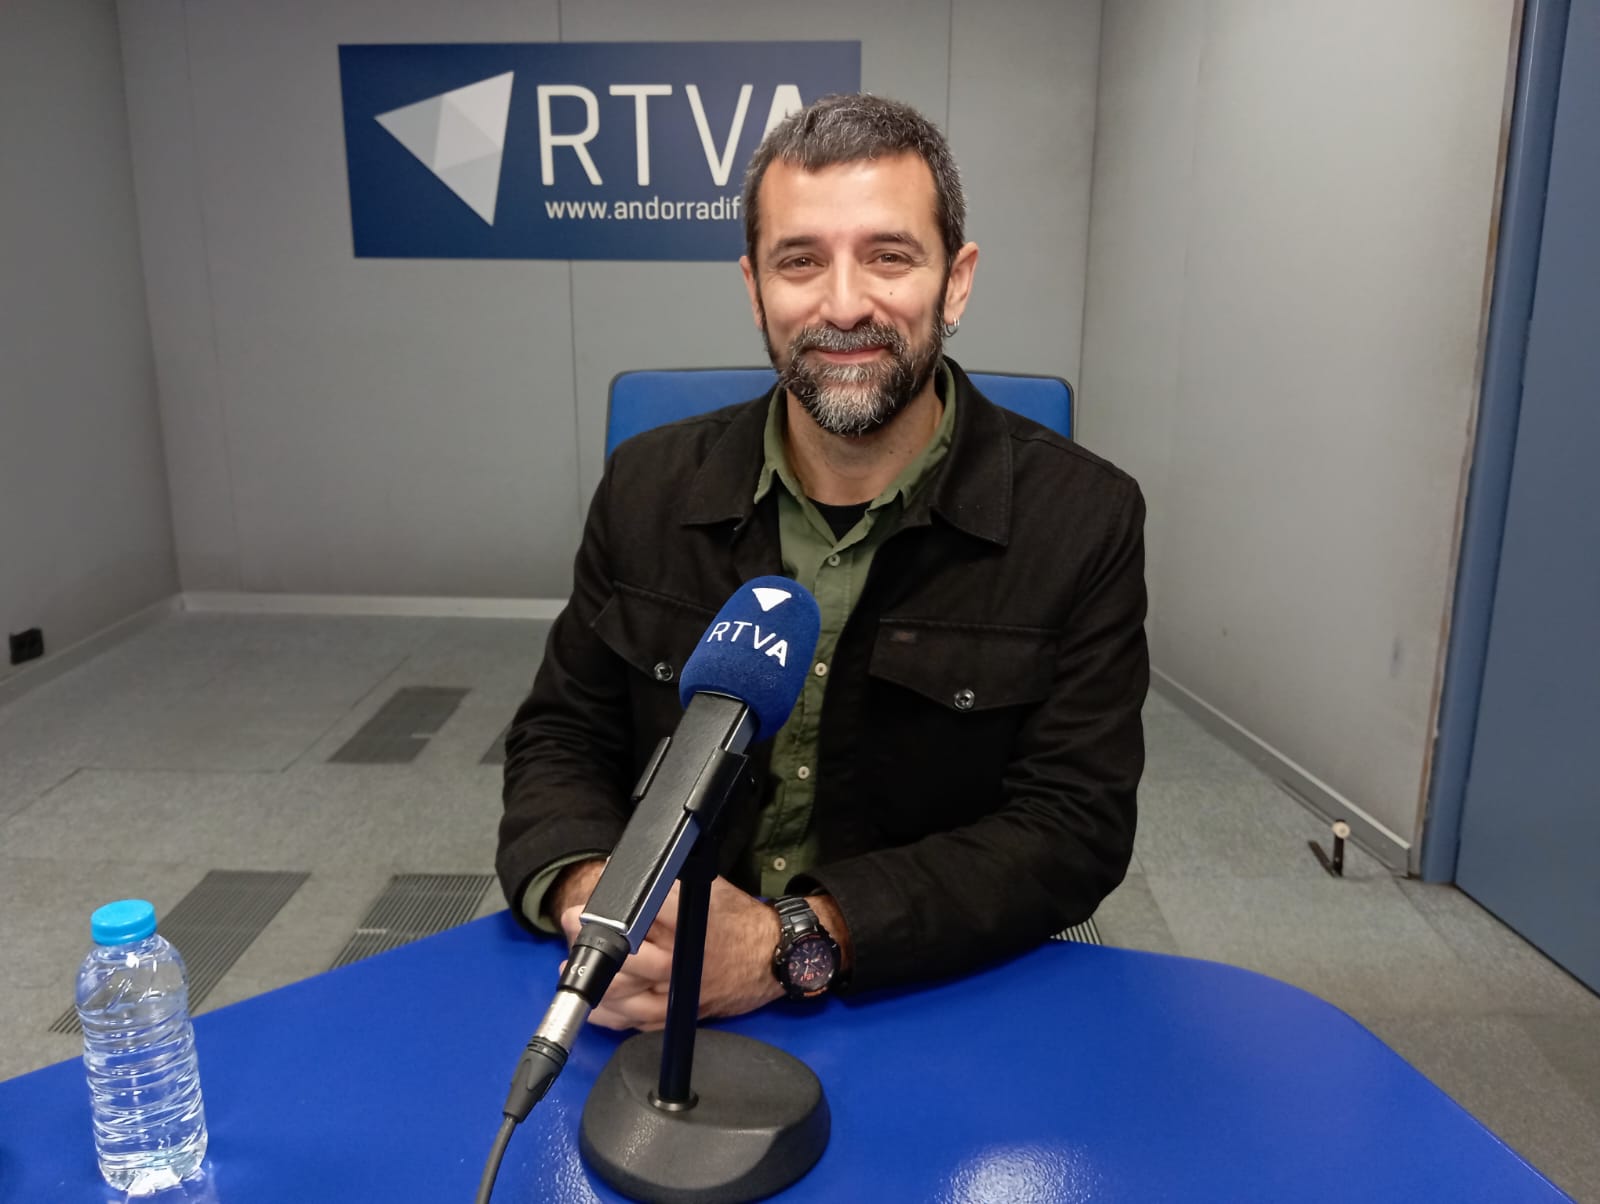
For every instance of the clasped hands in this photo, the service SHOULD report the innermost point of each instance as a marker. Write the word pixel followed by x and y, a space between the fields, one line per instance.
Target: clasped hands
pixel 741 934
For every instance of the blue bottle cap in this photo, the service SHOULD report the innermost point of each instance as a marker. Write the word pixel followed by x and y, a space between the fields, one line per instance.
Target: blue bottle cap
pixel 123 921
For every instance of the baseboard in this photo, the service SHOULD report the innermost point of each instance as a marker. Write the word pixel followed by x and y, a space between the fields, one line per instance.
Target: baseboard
pixel 1316 795
pixel 54 664
pixel 210 602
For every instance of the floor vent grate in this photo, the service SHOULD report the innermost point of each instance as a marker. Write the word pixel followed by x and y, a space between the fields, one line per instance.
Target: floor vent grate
pixel 414 906
pixel 213 925
pixel 1086 933
pixel 402 727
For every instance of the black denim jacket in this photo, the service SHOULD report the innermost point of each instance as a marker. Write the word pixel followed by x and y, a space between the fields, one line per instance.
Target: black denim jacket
pixel 981 743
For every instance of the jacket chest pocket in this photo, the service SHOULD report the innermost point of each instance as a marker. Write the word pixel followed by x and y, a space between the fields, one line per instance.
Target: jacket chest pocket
pixel 654 636
pixel 946 703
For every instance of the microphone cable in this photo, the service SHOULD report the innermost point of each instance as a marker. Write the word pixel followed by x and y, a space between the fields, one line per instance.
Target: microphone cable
pixel 541 1062
pixel 497 1153
pixel 595 957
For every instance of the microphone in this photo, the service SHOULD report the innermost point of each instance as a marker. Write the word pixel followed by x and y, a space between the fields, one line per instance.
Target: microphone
pixel 738 686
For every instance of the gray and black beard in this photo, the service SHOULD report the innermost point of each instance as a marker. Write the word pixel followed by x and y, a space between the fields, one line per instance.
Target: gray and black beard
pixel 855 399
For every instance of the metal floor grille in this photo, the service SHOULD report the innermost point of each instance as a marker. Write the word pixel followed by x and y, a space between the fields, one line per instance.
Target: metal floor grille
pixel 1086 933
pixel 414 906
pixel 213 925
pixel 497 751
pixel 402 727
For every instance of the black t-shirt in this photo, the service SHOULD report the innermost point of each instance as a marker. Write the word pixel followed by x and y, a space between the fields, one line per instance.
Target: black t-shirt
pixel 841 518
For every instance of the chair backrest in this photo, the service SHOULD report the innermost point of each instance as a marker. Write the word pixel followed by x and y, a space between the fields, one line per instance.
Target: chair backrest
pixel 641 400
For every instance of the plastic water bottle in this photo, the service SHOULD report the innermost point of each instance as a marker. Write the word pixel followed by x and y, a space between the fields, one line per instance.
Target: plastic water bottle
pixel 138 1049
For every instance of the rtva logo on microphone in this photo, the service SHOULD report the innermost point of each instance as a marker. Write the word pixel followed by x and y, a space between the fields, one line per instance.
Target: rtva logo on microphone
pixel 768 643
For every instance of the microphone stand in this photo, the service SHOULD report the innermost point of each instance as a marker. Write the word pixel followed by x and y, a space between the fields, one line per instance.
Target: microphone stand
pixel 759 1120
pixel 688 960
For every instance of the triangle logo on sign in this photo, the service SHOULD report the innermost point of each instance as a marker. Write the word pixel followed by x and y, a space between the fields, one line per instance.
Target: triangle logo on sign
pixel 460 137
pixel 769 597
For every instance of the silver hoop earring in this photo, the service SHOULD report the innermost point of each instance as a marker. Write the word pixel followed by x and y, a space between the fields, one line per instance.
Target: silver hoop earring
pixel 950 328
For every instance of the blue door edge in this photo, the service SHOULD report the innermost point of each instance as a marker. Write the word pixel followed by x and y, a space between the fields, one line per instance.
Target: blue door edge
pixel 1527 175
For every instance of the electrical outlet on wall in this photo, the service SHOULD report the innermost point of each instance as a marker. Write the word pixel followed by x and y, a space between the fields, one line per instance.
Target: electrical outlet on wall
pixel 27 646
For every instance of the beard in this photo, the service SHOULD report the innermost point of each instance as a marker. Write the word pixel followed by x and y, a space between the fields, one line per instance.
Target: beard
pixel 855 399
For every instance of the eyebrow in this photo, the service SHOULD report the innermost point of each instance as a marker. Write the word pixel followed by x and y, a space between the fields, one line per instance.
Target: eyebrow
pixel 804 242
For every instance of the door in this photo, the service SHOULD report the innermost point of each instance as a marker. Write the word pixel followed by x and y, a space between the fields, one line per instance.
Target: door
pixel 1530 824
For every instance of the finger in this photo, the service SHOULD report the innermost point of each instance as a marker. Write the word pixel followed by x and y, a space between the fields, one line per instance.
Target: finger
pixel 571 922
pixel 646 1010
pixel 667 917
pixel 662 934
pixel 624 985
pixel 652 961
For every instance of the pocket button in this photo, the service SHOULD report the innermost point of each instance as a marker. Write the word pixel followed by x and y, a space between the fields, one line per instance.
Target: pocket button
pixel 964 700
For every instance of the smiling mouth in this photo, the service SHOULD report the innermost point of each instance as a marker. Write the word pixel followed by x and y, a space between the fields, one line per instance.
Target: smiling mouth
pixel 849 357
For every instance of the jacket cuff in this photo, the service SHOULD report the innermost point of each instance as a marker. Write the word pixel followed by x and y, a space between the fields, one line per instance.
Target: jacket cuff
pixel 532 905
pixel 883 925
pixel 522 864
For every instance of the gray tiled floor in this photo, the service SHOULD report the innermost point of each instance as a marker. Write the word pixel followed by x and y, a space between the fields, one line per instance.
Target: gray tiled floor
pixel 203 743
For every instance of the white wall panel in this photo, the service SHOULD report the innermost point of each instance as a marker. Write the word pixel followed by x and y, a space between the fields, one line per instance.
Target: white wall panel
pixel 1290 242
pixel 85 524
pixel 390 427
pixel 1023 77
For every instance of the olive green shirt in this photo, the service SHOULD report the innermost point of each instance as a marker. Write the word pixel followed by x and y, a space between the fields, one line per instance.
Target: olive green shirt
pixel 834 570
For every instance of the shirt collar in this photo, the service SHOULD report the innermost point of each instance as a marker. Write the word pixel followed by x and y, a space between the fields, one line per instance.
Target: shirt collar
pixel 970 488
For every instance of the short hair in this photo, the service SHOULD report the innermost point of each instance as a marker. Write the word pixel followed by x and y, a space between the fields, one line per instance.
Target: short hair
pixel 851 128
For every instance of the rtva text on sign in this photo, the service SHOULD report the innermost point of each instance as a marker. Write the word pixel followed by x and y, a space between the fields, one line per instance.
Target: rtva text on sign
pixel 533 150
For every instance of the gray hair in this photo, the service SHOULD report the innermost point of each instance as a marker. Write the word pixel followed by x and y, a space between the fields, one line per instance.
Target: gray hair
pixel 848 129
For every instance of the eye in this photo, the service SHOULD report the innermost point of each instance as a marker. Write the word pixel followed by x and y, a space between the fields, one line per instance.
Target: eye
pixel 797 262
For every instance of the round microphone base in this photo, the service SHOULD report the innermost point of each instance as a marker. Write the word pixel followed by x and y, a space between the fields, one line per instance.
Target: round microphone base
pixel 759 1122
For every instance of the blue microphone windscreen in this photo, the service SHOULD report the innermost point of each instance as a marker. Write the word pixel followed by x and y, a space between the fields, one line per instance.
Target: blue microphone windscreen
pixel 758 649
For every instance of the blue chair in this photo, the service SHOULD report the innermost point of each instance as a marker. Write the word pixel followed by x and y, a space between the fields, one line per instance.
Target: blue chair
pixel 641 400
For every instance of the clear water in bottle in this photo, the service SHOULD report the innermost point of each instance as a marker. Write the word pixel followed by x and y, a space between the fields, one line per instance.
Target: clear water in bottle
pixel 138 1050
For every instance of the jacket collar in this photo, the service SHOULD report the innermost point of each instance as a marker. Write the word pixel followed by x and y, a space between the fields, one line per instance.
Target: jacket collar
pixel 970 489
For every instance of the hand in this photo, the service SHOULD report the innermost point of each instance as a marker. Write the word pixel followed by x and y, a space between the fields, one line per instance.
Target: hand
pixel 741 933
pixel 572 888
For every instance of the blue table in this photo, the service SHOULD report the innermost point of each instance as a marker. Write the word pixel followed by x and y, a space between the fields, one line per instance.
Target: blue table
pixel 1072 1074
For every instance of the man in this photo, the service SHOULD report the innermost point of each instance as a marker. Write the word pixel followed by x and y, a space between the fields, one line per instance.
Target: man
pixel 957 780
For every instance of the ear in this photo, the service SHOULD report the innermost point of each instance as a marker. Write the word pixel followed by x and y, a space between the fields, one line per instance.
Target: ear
pixel 959 287
pixel 751 287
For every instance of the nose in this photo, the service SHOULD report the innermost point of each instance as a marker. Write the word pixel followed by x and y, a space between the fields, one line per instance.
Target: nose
pixel 846 301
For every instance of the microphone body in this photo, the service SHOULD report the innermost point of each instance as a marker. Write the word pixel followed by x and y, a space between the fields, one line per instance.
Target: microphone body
pixel 692 772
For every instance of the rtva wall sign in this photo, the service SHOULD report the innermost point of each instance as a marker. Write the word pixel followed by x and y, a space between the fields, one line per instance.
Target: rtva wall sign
pixel 570 150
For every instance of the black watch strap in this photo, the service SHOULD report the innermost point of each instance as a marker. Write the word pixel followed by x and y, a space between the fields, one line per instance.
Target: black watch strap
pixel 795 916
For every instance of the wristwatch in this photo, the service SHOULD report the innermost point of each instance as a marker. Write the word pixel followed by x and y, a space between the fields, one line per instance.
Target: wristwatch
pixel 807 957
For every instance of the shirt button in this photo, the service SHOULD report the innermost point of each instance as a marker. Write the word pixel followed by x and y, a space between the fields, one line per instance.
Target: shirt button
pixel 964 700
pixel 834 560
pixel 778 863
pixel 822 669
pixel 662 671
pixel 803 772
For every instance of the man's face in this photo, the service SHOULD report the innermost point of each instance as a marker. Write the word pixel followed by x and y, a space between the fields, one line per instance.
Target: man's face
pixel 850 286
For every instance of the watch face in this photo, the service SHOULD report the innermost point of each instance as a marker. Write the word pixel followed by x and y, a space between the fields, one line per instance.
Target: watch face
pixel 810 963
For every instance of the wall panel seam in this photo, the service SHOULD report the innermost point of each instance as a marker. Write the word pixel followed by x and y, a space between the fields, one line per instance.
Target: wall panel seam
pixel 218 379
